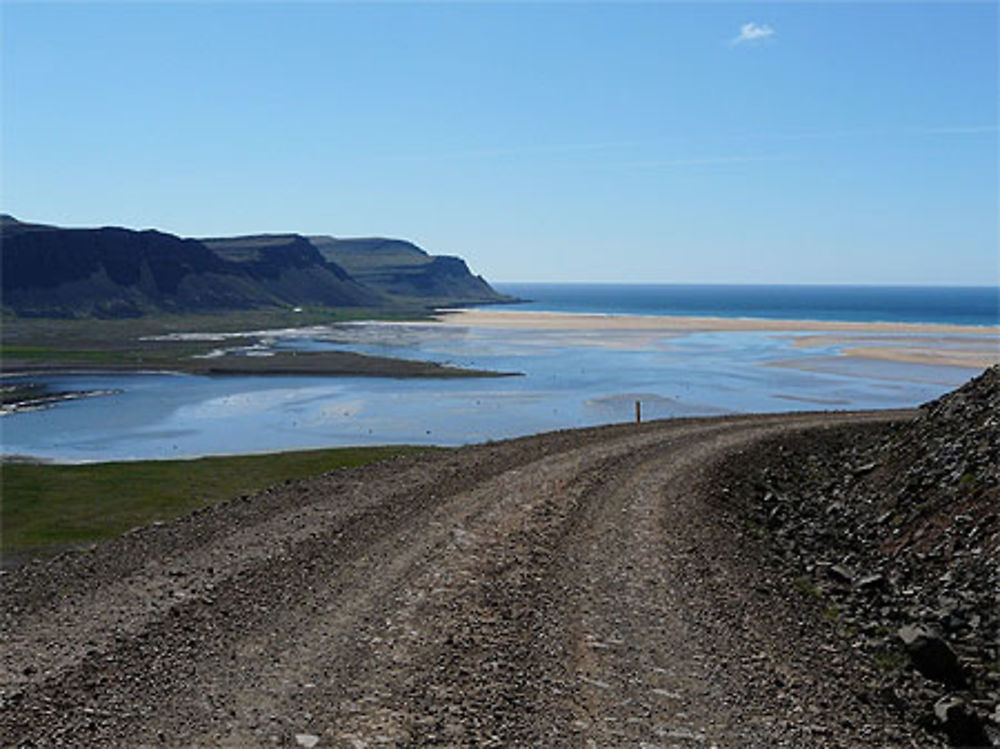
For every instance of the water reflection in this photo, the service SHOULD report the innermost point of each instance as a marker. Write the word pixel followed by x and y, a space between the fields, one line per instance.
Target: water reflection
pixel 573 379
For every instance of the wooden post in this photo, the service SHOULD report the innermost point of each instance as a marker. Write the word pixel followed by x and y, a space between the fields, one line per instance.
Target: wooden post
pixel 638 412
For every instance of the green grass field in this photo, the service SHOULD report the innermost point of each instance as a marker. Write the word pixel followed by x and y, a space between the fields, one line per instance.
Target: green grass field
pixel 113 343
pixel 73 335
pixel 48 507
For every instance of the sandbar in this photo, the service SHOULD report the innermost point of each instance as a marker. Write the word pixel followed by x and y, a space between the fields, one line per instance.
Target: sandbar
pixel 970 351
pixel 967 346
pixel 934 357
pixel 517 319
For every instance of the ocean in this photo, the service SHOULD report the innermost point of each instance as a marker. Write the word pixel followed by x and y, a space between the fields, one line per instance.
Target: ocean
pixel 954 305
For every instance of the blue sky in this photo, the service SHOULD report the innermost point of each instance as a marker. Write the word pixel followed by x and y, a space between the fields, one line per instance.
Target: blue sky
pixel 654 142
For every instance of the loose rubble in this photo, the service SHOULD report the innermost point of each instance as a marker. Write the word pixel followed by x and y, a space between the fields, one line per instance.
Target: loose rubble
pixel 895 531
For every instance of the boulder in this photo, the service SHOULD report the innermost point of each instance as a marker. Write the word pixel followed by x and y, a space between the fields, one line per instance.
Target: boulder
pixel 932 656
pixel 962 726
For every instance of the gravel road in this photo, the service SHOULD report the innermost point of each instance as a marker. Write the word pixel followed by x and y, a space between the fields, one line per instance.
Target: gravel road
pixel 576 589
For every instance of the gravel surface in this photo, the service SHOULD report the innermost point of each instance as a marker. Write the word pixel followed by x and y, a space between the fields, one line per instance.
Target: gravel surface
pixel 576 589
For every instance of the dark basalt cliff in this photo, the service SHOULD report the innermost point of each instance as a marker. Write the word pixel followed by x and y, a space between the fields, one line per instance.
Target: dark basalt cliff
pixel 48 271
pixel 113 272
pixel 289 267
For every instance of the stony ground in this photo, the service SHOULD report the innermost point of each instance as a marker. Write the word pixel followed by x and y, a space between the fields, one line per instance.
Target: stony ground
pixel 579 589
pixel 897 531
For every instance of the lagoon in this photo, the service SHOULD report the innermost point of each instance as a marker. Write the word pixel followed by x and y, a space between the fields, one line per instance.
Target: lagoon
pixel 570 379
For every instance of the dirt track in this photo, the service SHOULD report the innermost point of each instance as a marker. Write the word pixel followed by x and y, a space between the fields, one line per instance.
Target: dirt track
pixel 576 589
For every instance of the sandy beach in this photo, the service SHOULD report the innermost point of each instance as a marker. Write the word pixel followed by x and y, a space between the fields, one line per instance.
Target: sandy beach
pixel 968 346
pixel 516 319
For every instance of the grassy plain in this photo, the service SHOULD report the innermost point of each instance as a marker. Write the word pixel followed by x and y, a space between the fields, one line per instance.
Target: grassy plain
pixel 50 507
pixel 59 345
pixel 36 343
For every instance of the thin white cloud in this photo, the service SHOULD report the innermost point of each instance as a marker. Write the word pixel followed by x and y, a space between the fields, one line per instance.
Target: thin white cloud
pixel 948 130
pixel 501 152
pixel 707 161
pixel 527 150
pixel 958 130
pixel 751 33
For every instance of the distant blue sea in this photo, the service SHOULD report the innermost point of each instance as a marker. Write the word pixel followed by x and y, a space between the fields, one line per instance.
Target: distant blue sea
pixel 964 305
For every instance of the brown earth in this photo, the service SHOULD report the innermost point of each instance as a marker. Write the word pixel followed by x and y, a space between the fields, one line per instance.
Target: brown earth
pixel 576 589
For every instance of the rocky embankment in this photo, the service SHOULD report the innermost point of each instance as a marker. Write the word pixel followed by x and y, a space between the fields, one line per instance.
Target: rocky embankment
pixel 896 533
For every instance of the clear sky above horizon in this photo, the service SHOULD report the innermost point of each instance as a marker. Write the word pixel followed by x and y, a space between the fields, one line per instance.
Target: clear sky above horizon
pixel 655 142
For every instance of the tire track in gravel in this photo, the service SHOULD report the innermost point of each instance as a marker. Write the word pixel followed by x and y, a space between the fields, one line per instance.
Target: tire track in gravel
pixel 571 589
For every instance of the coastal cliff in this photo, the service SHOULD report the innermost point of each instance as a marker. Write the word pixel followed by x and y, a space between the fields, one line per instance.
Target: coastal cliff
pixel 400 268
pixel 114 272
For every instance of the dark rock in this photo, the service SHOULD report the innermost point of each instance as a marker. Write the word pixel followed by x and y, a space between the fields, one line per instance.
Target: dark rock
pixel 962 726
pixel 932 656
pixel 872 582
pixel 866 468
pixel 840 574
pixel 917 532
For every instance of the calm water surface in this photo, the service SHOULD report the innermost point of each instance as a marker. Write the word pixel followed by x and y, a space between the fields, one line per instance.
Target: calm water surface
pixel 955 305
pixel 570 379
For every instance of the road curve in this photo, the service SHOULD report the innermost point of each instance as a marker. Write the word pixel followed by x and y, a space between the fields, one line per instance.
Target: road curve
pixel 576 589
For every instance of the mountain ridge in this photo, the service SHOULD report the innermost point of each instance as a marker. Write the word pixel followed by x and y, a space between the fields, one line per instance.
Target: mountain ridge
pixel 113 272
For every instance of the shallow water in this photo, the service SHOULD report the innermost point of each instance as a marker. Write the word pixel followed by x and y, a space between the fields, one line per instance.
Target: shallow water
pixel 569 380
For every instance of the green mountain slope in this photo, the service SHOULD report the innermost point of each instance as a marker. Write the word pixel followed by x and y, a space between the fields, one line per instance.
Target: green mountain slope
pixel 288 267
pixel 400 268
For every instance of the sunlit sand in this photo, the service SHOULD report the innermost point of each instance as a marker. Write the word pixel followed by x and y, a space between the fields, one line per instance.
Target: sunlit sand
pixel 974 347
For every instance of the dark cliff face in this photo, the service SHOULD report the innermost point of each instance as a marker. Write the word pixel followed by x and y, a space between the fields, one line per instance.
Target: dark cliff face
pixel 49 271
pixel 402 269
pixel 289 266
pixel 442 277
pixel 267 255
pixel 113 272
pixel 47 257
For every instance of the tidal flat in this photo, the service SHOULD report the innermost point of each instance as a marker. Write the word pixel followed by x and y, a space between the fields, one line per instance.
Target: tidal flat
pixel 934 344
pixel 578 370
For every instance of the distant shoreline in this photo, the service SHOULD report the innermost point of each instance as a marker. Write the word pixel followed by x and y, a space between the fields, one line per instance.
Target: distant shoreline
pixel 967 305
pixel 551 320
pixel 933 344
